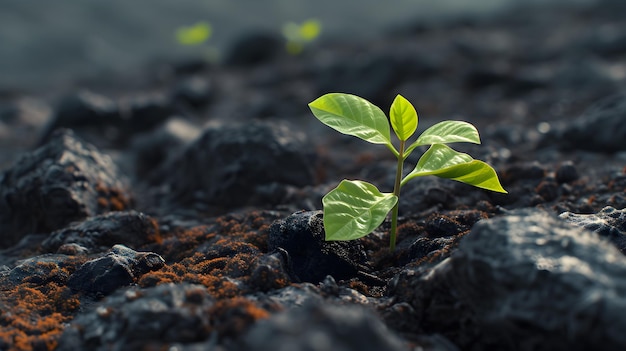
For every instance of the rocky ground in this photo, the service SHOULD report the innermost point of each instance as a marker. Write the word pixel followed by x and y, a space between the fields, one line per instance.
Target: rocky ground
pixel 178 208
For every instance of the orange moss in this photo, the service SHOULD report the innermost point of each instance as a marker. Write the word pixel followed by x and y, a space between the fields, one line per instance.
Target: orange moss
pixel 33 317
pixel 112 199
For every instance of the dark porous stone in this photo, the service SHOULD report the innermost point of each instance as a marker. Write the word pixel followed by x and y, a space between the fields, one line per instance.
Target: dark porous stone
pixel 63 181
pixel 40 270
pixel 253 49
pixel 156 147
pixel 143 114
pixel 609 222
pixel 600 128
pixel 106 122
pixel 269 272
pixel 120 267
pixel 372 77
pixel 84 109
pixel 134 318
pixel 322 326
pixel 312 258
pixel 525 281
pixel 566 172
pixel 424 247
pixel 231 165
pixel 99 233
pixel 522 171
pixel 194 92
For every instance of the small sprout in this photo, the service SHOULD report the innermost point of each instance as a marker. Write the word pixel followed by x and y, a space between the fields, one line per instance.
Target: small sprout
pixel 195 34
pixel 298 35
pixel 356 208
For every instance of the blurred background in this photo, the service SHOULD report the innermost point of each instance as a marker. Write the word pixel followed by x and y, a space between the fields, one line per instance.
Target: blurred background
pixel 44 44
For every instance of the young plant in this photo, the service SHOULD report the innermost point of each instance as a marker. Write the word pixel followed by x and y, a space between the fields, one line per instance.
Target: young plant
pixel 355 208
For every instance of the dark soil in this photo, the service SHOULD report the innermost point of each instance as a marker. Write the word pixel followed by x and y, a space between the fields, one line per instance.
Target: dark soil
pixel 181 210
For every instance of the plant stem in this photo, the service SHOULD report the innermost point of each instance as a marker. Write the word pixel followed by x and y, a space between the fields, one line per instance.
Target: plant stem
pixel 396 192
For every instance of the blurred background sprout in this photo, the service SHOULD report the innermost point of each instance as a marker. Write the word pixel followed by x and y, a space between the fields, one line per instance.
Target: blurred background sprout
pixel 298 35
pixel 195 34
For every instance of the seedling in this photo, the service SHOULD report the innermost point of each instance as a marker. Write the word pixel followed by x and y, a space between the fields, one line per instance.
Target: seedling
pixel 194 35
pixel 298 35
pixel 355 208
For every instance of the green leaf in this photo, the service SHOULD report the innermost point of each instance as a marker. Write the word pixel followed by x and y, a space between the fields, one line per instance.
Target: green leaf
pixel 403 117
pixel 352 115
pixel 444 162
pixel 354 209
pixel 447 132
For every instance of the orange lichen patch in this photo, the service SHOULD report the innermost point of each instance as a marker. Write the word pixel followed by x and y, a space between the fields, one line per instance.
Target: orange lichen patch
pixel 231 317
pixel 216 274
pixel 112 199
pixel 33 318
pixel 250 227
pixel 180 244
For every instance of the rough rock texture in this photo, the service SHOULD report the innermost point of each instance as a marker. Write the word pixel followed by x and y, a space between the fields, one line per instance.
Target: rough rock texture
pixel 120 267
pixel 610 223
pixel 600 128
pixel 63 181
pixel 236 165
pixel 108 122
pixel 318 327
pixel 136 319
pixel 99 233
pixel 311 259
pixel 524 281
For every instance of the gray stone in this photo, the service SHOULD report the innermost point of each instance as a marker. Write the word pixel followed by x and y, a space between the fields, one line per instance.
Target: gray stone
pixel 525 281
pixel 609 222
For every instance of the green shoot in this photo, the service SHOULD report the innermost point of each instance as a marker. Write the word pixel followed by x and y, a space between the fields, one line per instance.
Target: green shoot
pixel 356 208
pixel 298 35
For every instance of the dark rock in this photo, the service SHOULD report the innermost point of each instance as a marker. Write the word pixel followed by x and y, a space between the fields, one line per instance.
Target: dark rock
pixel 322 326
pixel 99 233
pixel 253 49
pixel 427 192
pixel 195 92
pixel 600 128
pixel 566 172
pixel 63 181
pixel 525 281
pixel 105 122
pixel 40 270
pixel 373 77
pixel 82 110
pixel 121 267
pixel 269 272
pixel 609 222
pixel 522 171
pixel 227 165
pixel 312 258
pixel 143 114
pixel 548 190
pixel 513 84
pixel 134 318
pixel 424 247
pixel 154 148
